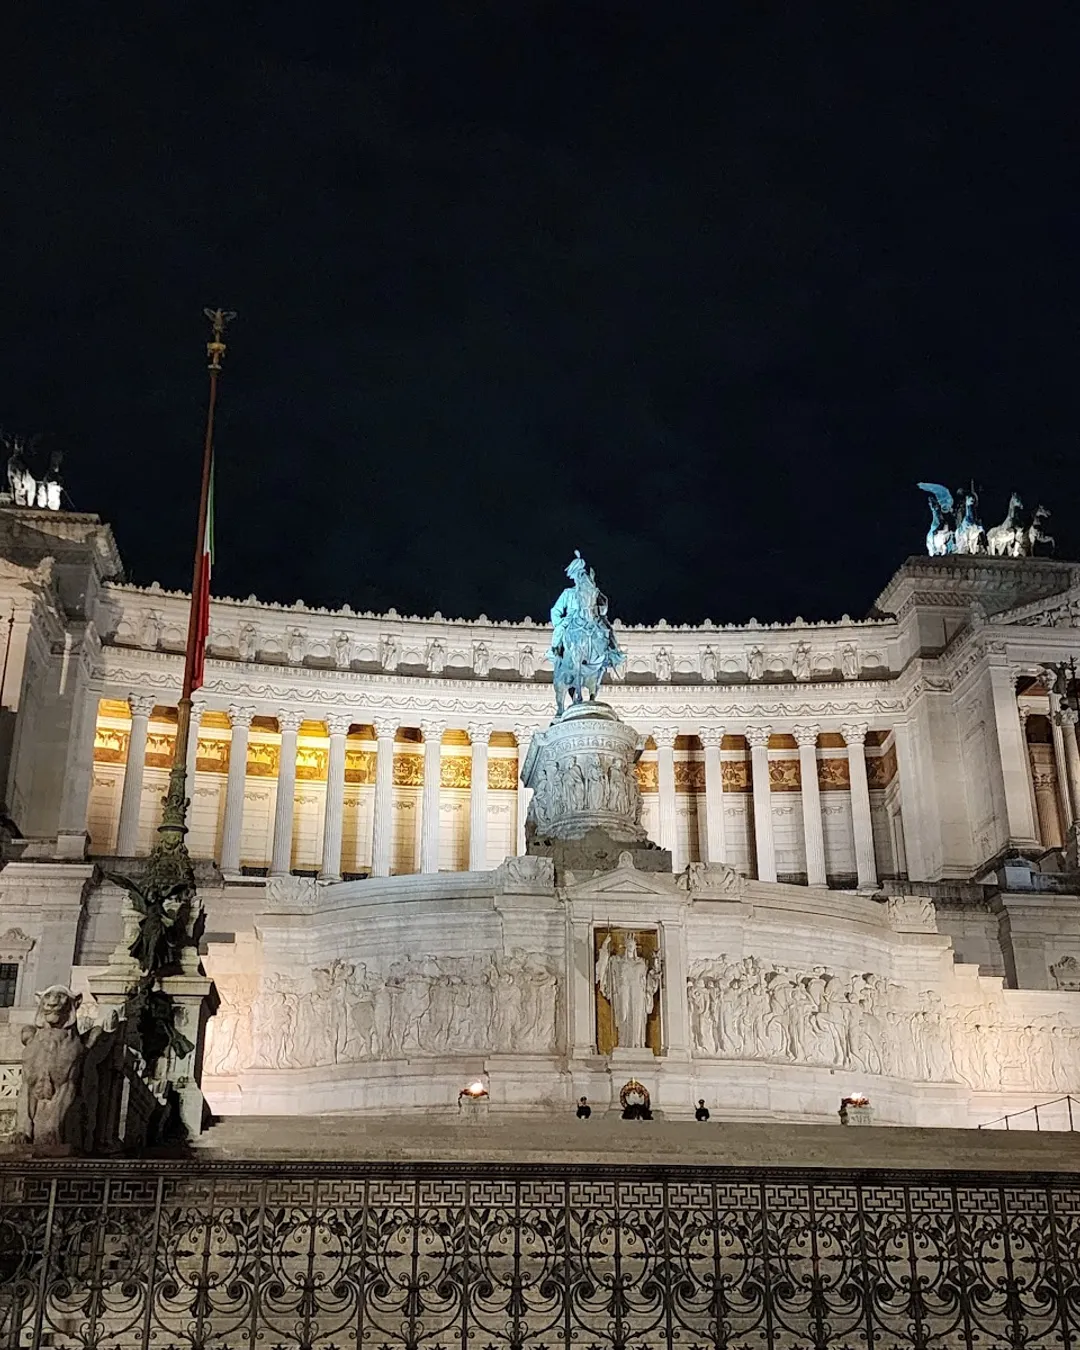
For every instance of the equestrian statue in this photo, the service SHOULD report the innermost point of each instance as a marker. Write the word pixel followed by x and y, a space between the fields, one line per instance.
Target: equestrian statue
pixel 583 646
pixel 955 526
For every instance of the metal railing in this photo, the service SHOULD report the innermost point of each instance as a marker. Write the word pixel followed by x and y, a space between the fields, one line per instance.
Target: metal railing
pixel 217 1255
pixel 1058 1114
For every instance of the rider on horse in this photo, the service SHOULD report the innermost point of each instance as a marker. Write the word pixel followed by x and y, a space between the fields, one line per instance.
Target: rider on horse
pixel 583 644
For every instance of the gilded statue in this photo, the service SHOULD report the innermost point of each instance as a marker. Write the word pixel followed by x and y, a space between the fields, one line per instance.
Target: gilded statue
pixel 583 645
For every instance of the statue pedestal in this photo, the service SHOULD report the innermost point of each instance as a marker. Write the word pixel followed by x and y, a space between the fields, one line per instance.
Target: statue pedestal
pixel 191 994
pixel 586 805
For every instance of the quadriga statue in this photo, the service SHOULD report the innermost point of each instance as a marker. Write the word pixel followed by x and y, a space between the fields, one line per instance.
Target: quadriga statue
pixel 57 1099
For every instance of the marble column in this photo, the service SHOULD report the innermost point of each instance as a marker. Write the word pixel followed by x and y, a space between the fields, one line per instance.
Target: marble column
pixel 235 787
pixel 674 1028
pixel 813 826
pixel 1057 731
pixel 479 734
pixel 198 707
pixel 854 734
pixel 667 823
pixel 1012 751
pixel 127 838
pixel 1031 774
pixel 72 838
pixel 1066 718
pixel 523 736
pixel 382 829
pixel 715 844
pixel 289 720
pixel 758 740
pixel 338 725
pixel 1044 785
pixel 429 811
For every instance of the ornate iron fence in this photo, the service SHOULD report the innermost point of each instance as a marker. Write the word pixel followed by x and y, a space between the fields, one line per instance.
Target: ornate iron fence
pixel 430 1257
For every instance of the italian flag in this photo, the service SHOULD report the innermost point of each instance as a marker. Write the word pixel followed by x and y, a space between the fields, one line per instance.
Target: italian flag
pixel 202 599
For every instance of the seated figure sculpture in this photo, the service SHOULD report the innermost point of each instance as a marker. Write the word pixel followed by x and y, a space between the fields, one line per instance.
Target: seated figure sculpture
pixel 51 1111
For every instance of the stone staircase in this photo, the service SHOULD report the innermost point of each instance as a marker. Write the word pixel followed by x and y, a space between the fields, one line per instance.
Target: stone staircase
pixel 610 1140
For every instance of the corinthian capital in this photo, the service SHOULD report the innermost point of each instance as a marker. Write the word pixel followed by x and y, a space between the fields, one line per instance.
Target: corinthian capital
pixel 141 705
pixel 480 732
pixel 711 737
pixel 756 737
pixel 806 735
pixel 664 737
pixel 240 715
pixel 854 732
pixel 289 719
pixel 338 724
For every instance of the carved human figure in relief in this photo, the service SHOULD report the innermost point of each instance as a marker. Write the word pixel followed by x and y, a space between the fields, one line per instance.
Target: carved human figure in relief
pixel 389 652
pixel 849 662
pixel 755 663
pixel 630 984
pixel 248 642
pixel 436 656
pixel 297 647
pixel 800 665
pixel 342 651
pixel 708 665
pixel 527 662
pixel 663 665
pixel 481 659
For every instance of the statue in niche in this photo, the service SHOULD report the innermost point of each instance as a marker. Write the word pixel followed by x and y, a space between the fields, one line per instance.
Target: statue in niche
pixel 583 646
pixel 663 666
pixel 800 665
pixel 436 656
pixel 151 630
pixel 630 984
pixel 708 665
pixel 527 662
pixel 342 651
pixel 481 660
pixel 849 662
pixel 248 642
pixel 755 663
pixel 57 1100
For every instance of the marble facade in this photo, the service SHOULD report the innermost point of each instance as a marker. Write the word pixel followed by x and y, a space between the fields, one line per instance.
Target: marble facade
pixel 813 769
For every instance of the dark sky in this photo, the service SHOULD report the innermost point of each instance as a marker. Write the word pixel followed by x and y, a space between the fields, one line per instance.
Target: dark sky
pixel 700 289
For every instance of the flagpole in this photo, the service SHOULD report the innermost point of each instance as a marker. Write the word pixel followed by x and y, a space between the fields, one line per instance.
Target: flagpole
pixel 175 803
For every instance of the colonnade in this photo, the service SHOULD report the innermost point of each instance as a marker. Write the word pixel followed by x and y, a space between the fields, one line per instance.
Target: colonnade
pixel 713 844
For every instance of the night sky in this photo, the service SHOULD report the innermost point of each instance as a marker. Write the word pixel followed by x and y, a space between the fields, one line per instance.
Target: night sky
pixel 701 290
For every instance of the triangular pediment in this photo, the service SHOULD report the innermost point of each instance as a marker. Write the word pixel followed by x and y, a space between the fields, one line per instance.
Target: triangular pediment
pixel 622 881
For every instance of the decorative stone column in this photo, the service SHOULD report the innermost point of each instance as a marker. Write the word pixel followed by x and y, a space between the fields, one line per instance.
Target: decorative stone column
pixel 198 707
pixel 667 824
pixel 479 734
pixel 712 739
pixel 289 720
pixel 127 838
pixel 674 1027
pixel 1067 719
pixel 429 811
pixel 866 867
pixel 72 838
pixel 813 825
pixel 1044 785
pixel 382 829
pixel 1058 733
pixel 758 740
pixel 235 787
pixel 1012 753
pixel 338 725
pixel 523 736
pixel 1032 773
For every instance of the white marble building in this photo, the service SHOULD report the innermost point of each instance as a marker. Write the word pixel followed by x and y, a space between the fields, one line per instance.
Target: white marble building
pixel 355 792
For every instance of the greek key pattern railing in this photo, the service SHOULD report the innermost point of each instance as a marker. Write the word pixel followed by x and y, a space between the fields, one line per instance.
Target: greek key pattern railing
pixel 293 1255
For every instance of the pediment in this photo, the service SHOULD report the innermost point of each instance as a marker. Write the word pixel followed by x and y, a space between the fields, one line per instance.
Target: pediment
pixel 623 880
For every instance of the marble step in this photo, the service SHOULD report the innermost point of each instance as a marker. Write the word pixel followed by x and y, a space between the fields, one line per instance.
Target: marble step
pixel 607 1139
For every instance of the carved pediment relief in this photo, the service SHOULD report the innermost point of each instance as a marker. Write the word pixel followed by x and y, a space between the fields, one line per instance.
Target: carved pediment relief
pixel 625 879
pixel 15 945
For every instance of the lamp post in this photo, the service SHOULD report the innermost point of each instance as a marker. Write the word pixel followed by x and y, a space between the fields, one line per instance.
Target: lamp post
pixel 168 998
